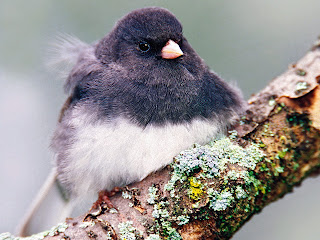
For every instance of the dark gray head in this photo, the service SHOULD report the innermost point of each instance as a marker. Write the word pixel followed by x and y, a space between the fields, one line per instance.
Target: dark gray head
pixel 153 26
pixel 137 41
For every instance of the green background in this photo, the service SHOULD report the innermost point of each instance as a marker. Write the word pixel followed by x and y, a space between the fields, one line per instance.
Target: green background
pixel 248 42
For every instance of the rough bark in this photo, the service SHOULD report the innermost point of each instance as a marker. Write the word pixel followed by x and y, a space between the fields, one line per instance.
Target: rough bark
pixel 221 185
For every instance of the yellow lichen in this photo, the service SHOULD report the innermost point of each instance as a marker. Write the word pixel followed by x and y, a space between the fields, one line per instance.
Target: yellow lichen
pixel 195 191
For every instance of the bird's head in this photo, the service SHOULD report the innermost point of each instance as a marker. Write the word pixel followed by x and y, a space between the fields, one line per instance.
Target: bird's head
pixel 149 40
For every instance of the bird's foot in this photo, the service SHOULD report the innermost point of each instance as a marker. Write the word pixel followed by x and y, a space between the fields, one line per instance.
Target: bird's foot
pixel 104 197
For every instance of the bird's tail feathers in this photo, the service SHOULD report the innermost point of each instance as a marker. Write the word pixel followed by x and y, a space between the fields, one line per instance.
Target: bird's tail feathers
pixel 46 209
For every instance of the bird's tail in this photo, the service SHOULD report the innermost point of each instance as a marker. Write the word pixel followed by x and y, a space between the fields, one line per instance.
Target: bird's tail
pixel 47 209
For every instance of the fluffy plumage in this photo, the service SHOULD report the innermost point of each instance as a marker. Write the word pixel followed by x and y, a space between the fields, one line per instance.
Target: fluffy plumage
pixel 131 110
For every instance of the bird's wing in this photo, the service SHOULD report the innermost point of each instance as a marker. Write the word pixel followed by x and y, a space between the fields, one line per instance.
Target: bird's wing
pixel 65 106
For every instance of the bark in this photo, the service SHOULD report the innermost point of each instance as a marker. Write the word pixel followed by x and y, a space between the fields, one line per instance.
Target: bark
pixel 210 191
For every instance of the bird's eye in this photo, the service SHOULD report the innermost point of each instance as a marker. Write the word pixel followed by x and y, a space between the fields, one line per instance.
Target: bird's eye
pixel 144 46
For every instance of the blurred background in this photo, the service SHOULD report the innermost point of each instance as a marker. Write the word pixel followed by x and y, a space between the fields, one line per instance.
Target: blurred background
pixel 248 42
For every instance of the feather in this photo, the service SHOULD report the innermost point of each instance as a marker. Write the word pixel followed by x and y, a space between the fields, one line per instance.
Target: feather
pixel 64 52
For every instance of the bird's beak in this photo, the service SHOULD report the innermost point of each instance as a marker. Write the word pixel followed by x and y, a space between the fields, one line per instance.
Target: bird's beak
pixel 171 50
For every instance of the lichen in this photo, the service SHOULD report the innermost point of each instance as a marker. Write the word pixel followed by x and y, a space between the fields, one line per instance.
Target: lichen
pixel 212 160
pixel 266 131
pixel 219 201
pixel 87 224
pixel 296 166
pixel 128 232
pixel 282 154
pixel 162 217
pixel 183 219
pixel 240 192
pixel 299 119
pixel 233 134
pixel 227 183
pixel 196 189
pixel 194 171
pixel 301 86
pixel 278 170
pixel 152 195
pixel 153 237
pixel 60 228
pixel 272 102
pixel 113 211
pixel 7 236
pixel 301 72
pixel 213 176
pixel 126 195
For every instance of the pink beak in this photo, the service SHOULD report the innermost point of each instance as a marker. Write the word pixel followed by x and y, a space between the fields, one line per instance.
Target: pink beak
pixel 171 50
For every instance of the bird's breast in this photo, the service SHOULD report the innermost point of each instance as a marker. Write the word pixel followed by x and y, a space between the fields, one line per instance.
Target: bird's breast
pixel 105 154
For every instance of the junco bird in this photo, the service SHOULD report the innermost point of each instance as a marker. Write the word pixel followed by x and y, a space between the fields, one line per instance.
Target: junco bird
pixel 138 97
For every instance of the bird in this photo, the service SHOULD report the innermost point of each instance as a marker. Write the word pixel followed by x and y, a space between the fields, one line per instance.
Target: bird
pixel 136 98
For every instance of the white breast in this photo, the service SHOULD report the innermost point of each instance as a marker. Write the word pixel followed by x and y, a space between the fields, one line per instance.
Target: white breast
pixel 104 155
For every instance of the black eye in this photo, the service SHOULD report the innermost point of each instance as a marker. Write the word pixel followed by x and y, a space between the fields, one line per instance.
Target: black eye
pixel 144 46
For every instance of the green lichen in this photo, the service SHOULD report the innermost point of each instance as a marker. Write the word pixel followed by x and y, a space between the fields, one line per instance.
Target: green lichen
pixel 278 170
pixel 240 192
pixel 183 219
pixel 261 144
pixel 266 131
pixel 152 195
pixel 87 224
pixel 213 176
pixel 279 108
pixel 229 153
pixel 160 211
pixel 211 162
pixel 163 219
pixel 264 168
pixel 272 102
pixel 113 211
pixel 219 201
pixel 282 154
pixel 153 237
pixel 301 72
pixel 299 119
pixel 126 195
pixel 233 134
pixel 128 232
pixel 296 166
pixel 301 86
pixel 60 228
pixel 170 232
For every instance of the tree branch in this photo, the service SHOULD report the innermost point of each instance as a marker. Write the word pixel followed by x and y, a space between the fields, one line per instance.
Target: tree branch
pixel 210 191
